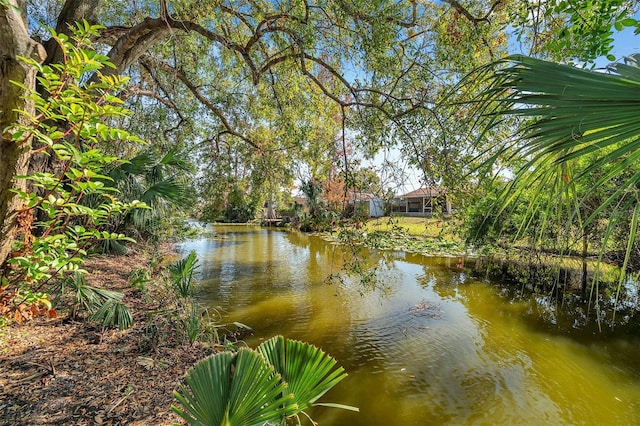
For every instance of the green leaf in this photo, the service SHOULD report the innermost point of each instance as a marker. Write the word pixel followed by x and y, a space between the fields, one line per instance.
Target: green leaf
pixel 113 313
pixel 308 370
pixel 234 390
pixel 628 22
pixel 17 135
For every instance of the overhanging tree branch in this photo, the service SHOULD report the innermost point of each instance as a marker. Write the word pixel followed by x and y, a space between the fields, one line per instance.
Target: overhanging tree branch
pixel 465 12
pixel 151 62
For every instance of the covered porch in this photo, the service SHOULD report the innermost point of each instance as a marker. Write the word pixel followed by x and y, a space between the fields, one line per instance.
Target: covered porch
pixel 422 202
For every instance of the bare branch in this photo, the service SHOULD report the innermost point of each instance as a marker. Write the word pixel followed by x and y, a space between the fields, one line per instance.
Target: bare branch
pixel 163 89
pixel 465 12
pixel 180 75
pixel 135 90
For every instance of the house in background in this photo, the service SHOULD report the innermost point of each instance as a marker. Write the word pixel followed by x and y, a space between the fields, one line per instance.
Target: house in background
pixel 422 202
pixel 366 203
pixel 299 203
pixel 371 205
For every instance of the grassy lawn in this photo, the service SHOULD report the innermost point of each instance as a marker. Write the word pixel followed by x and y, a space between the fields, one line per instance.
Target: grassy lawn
pixel 417 226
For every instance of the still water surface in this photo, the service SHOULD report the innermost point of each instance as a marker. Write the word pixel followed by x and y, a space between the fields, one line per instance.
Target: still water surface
pixel 434 346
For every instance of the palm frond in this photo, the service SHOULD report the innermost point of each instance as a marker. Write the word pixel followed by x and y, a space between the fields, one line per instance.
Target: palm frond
pixel 113 313
pixel 580 128
pixel 104 306
pixel 571 113
pixel 137 165
pixel 177 158
pixel 576 111
pixel 168 190
pixel 308 370
pixel 234 390
pixel 181 274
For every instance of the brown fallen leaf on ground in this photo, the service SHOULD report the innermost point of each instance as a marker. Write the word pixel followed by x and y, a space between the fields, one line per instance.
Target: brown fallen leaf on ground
pixel 55 371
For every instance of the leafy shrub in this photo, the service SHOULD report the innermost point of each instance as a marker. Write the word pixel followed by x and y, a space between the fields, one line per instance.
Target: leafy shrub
pixel 240 208
pixel 71 207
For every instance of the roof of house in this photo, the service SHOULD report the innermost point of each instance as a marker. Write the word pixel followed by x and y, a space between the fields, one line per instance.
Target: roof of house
pixel 300 200
pixel 423 192
pixel 360 196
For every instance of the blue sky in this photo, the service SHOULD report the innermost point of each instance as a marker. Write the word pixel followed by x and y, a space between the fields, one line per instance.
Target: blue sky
pixel 625 44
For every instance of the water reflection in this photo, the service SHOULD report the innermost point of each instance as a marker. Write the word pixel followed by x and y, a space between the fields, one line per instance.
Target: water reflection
pixel 439 347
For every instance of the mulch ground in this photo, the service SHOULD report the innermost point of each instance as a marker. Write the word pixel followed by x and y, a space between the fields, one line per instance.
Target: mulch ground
pixel 63 372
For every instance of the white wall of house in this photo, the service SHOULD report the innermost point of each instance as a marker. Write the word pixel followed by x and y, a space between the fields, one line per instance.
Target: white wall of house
pixel 376 207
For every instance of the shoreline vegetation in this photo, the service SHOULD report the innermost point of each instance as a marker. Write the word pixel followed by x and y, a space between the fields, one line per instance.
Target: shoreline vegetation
pixel 438 237
pixel 60 371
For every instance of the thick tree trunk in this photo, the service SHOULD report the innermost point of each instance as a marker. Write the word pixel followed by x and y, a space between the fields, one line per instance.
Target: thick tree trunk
pixel 14 157
pixel 72 11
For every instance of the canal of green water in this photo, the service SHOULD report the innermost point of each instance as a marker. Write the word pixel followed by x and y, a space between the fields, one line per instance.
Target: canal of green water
pixel 429 344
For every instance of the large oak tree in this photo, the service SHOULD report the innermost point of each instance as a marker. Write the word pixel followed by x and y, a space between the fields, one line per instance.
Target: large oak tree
pixel 207 62
pixel 197 48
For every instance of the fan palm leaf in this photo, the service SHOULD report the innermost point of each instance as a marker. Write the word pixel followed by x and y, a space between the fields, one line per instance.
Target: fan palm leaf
pixel 157 179
pixel 113 313
pixel 177 159
pixel 152 178
pixel 576 111
pixel 257 387
pixel 181 274
pixel 233 390
pixel 167 190
pixel 582 127
pixel 104 306
pixel 308 370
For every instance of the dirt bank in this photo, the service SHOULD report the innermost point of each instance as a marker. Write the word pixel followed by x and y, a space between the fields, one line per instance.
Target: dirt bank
pixel 62 372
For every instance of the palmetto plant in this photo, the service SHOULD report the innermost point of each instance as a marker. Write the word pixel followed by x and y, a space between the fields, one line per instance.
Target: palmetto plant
pixel 233 389
pixel 103 306
pixel 113 313
pixel 154 177
pixel 581 133
pixel 280 379
pixel 181 274
pixel 309 372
